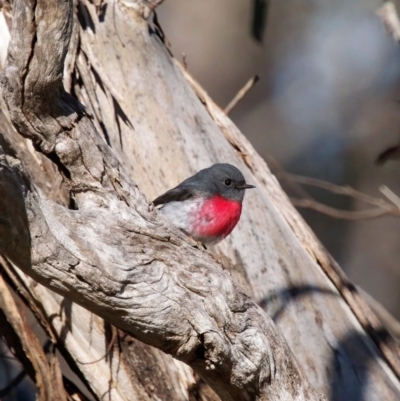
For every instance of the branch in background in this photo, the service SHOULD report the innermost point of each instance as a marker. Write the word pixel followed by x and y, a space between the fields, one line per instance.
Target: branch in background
pixel 388 14
pixel 336 189
pixel 337 213
pixel 241 94
pixel 390 19
pixel 392 153
pixel 260 16
pixel 390 195
pixel 383 207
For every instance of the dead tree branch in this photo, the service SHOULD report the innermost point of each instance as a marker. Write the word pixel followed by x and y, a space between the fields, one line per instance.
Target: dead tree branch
pixel 113 254
pixel 337 213
pixel 241 94
pixel 388 14
pixel 382 207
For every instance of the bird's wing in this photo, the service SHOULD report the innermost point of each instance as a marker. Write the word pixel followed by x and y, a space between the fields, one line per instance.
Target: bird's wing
pixel 177 194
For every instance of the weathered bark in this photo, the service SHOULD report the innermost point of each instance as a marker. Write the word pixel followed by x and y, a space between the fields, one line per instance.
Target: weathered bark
pixel 47 374
pixel 130 371
pixel 114 254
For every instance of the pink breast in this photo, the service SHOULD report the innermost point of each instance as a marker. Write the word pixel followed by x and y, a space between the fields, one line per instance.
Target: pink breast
pixel 217 217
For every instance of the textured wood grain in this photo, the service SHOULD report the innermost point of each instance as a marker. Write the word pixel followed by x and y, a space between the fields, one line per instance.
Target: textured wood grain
pixel 163 130
pixel 113 253
pixel 272 253
pixel 131 371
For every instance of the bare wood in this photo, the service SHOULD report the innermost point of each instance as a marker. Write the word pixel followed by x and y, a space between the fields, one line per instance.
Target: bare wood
pixel 272 254
pixel 166 292
pixel 294 182
pixel 366 318
pixel 47 374
pixel 133 371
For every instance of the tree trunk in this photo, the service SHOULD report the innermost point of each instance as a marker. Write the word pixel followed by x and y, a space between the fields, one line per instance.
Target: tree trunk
pixel 103 247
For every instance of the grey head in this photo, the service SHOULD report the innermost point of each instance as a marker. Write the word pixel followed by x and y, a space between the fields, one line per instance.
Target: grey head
pixel 220 179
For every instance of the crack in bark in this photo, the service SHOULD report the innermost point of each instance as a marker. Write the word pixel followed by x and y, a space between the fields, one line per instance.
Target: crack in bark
pixel 25 71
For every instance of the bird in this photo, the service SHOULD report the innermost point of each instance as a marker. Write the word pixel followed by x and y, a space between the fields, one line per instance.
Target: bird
pixel 206 206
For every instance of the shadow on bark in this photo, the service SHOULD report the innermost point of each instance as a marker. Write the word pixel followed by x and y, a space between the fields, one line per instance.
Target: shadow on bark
pixel 346 381
pixel 291 294
pixel 14 233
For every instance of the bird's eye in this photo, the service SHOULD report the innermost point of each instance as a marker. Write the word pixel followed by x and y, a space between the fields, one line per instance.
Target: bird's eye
pixel 228 182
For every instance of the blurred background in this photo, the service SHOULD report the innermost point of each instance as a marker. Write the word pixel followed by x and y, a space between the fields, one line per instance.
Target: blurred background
pixel 326 105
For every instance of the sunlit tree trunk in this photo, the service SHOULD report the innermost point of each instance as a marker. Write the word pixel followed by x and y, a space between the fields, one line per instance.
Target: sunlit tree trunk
pixel 90 235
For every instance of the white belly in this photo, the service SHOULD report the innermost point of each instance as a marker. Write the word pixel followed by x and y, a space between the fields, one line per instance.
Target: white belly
pixel 181 214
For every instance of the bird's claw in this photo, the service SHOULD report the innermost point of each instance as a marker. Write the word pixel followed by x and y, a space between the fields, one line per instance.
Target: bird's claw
pixel 198 244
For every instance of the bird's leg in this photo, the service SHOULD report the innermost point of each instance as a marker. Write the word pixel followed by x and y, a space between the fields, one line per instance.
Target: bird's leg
pixel 196 244
pixel 199 245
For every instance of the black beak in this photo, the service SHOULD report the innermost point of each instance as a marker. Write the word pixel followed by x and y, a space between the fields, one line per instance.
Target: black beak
pixel 245 186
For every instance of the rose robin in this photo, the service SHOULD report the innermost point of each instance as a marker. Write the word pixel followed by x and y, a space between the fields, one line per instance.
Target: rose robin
pixel 207 206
